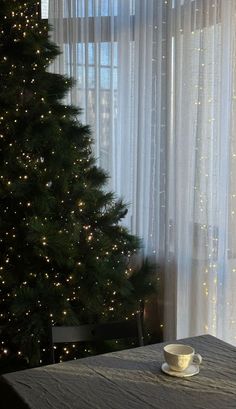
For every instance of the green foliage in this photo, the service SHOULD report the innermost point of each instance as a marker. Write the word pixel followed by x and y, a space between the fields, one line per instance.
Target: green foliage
pixel 64 254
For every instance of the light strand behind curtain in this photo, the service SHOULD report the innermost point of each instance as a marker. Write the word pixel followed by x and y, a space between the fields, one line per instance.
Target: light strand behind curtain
pixel 156 81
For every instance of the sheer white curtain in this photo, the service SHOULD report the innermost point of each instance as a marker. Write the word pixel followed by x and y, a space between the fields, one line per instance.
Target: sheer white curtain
pixel 201 186
pixel 156 82
pixel 115 50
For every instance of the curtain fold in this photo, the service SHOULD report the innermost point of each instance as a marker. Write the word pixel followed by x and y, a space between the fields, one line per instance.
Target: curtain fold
pixel 202 180
pixel 156 82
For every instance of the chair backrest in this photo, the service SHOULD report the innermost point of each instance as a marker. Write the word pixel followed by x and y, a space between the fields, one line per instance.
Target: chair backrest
pixel 103 331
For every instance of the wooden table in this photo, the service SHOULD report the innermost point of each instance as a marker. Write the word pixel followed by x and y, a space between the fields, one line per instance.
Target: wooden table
pixel 130 379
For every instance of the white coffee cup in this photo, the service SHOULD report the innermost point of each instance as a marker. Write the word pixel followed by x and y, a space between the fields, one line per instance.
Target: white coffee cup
pixel 179 356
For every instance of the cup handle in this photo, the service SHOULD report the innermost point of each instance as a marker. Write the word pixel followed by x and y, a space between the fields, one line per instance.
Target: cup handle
pixel 197 359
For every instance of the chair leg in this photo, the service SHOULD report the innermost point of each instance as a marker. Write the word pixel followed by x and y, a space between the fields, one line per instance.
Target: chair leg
pixel 52 349
pixel 140 329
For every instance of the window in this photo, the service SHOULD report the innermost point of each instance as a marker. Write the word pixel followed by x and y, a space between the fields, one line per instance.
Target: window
pixel 44 9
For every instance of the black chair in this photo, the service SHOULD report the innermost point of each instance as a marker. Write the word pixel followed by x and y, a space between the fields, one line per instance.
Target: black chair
pixel 98 332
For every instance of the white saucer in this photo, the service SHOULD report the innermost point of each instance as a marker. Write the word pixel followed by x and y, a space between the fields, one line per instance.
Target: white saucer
pixel 190 371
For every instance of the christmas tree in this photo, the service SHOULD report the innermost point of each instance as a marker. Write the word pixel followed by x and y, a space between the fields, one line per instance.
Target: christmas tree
pixel 64 254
